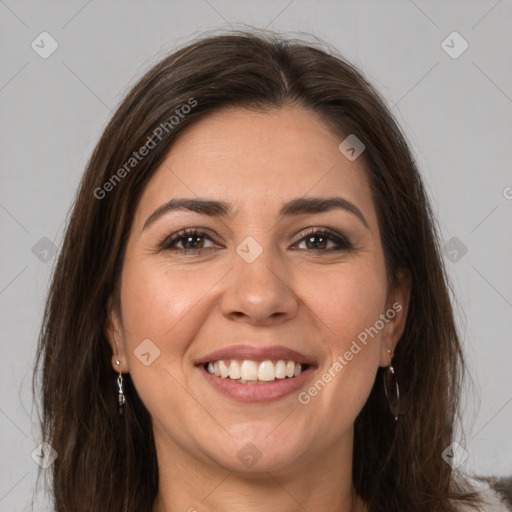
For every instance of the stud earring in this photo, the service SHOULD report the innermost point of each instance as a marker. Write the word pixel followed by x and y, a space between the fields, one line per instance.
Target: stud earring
pixel 121 399
pixel 389 375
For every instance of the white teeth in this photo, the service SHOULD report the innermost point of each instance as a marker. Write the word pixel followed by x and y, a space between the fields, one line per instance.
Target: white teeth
pixel 266 371
pixel 250 372
pixel 280 370
pixel 234 370
pixel 224 370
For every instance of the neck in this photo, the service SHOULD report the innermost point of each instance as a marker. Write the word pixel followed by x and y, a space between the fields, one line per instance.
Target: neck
pixel 232 493
pixel 198 485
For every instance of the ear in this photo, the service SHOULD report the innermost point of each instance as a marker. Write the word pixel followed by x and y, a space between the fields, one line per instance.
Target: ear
pixel 113 333
pixel 397 306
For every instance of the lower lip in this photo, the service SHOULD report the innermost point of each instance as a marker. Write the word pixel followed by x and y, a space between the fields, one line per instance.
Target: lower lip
pixel 257 393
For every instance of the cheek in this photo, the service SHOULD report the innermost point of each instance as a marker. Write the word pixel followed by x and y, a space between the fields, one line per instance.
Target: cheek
pixel 351 330
pixel 156 299
pixel 351 301
pixel 167 307
pixel 161 312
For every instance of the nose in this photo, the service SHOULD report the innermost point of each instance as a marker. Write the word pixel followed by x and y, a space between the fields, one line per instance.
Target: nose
pixel 258 293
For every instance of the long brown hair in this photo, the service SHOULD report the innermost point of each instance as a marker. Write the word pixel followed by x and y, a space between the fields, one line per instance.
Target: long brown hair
pixel 107 462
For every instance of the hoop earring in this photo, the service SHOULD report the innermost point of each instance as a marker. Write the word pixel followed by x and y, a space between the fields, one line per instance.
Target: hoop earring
pixel 121 399
pixel 393 402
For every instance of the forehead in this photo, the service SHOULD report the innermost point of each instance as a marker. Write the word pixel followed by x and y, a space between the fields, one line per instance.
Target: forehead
pixel 257 159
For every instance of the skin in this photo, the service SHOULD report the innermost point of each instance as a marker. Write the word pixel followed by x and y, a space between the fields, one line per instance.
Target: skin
pixel 305 296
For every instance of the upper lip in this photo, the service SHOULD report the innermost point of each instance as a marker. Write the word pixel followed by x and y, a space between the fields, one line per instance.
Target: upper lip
pixel 272 353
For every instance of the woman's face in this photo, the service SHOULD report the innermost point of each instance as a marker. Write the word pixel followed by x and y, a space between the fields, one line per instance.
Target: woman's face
pixel 270 272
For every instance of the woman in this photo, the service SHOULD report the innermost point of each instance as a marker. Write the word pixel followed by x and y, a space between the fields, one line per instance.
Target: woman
pixel 249 311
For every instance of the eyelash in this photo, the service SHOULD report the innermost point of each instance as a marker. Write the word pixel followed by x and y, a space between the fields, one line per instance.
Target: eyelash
pixel 342 242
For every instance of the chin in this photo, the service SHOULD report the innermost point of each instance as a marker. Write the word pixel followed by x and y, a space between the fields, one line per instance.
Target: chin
pixel 259 456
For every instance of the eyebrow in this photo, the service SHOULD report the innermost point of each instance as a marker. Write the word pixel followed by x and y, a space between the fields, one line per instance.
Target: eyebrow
pixel 300 206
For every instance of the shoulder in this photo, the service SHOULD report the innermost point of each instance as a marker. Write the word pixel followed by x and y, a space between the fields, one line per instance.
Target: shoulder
pixel 491 500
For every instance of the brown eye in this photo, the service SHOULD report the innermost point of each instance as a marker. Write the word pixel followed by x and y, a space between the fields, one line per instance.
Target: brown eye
pixel 325 241
pixel 316 242
pixel 188 240
pixel 192 242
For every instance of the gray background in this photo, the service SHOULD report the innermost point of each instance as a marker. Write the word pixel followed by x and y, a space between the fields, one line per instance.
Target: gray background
pixel 456 113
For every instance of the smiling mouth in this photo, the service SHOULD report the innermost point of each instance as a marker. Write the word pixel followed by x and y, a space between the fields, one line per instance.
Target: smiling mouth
pixel 249 371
